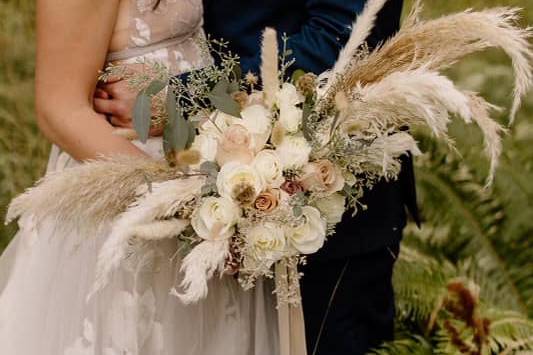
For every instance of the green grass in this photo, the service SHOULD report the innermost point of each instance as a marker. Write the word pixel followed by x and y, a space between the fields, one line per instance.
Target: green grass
pixel 23 151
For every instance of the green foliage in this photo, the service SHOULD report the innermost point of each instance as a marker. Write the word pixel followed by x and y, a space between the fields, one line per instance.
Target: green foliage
pixel 479 235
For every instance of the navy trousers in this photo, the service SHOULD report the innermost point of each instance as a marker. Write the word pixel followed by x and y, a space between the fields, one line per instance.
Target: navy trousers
pixel 358 290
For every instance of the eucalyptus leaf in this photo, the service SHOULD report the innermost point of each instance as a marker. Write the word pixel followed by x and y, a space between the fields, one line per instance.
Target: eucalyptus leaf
pixel 142 116
pixel 297 74
pixel 155 87
pixel 221 98
pixel 192 134
pixel 237 72
pixel 177 132
pixel 142 110
pixel 209 167
pixel 297 210
pixel 233 87
pixel 306 129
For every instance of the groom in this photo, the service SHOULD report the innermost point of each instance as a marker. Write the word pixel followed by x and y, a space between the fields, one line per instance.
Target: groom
pixel 348 300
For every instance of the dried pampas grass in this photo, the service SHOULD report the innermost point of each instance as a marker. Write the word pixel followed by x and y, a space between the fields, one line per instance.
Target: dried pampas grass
pixel 90 194
pixel 269 66
pixel 424 98
pixel 492 131
pixel 199 266
pixel 361 29
pixel 438 44
pixel 386 149
pixel 139 220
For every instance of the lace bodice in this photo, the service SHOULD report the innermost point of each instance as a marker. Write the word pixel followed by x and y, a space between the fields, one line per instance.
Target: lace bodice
pixel 168 34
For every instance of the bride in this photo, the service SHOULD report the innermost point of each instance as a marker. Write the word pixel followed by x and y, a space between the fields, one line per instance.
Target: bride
pixel 46 274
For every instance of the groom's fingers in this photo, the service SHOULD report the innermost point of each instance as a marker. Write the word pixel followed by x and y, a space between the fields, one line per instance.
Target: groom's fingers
pixel 112 108
pixel 119 90
pixel 101 94
pixel 116 122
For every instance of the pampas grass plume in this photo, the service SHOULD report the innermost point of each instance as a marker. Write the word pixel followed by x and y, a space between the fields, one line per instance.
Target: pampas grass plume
pixel 269 66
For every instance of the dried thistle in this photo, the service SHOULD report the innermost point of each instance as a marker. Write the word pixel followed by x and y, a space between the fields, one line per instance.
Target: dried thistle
pixel 187 157
pixel 244 194
pixel 306 84
pixel 241 97
pixel 251 79
pixel 278 133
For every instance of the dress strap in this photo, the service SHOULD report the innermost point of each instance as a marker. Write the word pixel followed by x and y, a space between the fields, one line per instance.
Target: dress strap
pixel 134 52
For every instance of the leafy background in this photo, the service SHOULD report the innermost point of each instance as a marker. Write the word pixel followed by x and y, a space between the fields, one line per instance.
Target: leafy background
pixel 464 281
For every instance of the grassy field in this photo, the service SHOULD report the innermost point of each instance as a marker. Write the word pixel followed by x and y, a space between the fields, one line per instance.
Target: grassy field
pixel 479 234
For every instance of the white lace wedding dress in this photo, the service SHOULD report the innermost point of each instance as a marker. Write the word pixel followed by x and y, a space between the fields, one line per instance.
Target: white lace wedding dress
pixel 45 276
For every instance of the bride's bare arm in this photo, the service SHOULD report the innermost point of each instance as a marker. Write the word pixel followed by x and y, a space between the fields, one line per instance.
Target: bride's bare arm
pixel 72 42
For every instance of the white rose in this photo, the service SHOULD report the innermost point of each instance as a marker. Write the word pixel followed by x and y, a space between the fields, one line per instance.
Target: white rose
pixel 309 236
pixel 268 242
pixel 258 121
pixel 239 182
pixel 268 165
pixel 217 123
pixel 207 146
pixel 290 118
pixel 293 151
pixel 332 207
pixel 289 96
pixel 216 218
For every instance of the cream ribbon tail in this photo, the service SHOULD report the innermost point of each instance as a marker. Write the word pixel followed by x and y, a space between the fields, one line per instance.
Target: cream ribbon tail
pixel 290 318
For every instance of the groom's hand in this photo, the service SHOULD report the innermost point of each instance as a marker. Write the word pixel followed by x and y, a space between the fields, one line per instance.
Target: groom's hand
pixel 116 99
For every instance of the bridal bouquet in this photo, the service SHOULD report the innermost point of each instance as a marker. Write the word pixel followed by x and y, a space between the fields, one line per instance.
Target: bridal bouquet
pixel 260 169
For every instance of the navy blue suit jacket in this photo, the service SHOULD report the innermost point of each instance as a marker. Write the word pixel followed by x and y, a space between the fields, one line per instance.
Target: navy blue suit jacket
pixel 317 31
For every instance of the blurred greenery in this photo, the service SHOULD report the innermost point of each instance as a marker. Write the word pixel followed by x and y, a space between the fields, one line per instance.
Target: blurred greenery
pixel 477 237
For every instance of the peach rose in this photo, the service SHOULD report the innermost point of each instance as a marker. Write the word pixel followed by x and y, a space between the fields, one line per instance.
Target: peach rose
pixel 235 145
pixel 267 201
pixel 322 176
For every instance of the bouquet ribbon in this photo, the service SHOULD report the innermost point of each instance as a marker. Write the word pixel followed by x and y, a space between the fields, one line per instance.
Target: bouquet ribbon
pixel 290 319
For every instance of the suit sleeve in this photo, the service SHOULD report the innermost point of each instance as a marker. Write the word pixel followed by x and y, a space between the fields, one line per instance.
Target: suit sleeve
pixel 326 30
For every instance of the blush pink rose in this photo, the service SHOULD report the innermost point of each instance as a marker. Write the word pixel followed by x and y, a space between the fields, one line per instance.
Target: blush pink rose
pixel 235 145
pixel 322 176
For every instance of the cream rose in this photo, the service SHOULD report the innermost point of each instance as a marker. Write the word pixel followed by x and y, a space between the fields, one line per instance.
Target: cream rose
pixel 239 182
pixel 268 242
pixel 235 144
pixel 289 96
pixel 217 123
pixel 293 151
pixel 290 116
pixel 216 218
pixel 309 236
pixel 332 207
pixel 322 176
pixel 268 165
pixel 258 121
